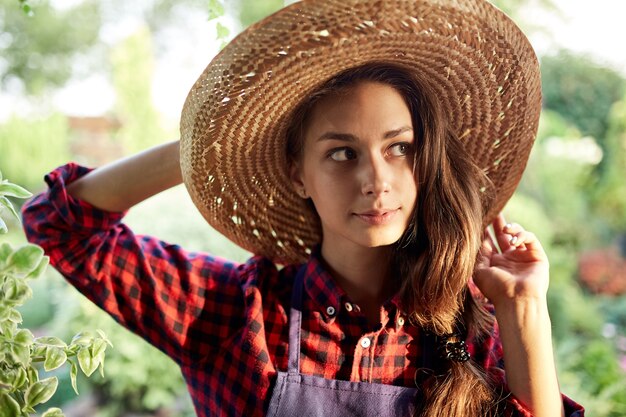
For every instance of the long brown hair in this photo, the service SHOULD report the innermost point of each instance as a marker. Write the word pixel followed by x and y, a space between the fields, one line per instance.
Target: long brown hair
pixel 437 253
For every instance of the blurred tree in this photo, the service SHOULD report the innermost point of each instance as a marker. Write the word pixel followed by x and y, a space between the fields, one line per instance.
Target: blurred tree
pixel 132 69
pixel 609 194
pixel 581 91
pixel 33 146
pixel 555 179
pixel 37 49
pixel 513 7
pixel 251 11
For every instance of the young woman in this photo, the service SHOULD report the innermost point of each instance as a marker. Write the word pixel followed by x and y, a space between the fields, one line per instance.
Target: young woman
pixel 334 140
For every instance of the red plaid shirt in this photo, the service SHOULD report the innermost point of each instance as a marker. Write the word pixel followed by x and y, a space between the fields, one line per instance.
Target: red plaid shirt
pixel 226 324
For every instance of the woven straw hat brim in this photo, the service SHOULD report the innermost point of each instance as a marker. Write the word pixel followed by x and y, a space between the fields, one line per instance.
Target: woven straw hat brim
pixel 233 124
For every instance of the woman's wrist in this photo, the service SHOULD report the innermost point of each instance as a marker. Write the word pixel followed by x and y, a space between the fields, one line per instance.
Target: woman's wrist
pixel 526 334
pixel 522 310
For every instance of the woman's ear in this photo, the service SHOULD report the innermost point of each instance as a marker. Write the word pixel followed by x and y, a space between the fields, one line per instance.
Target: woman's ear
pixel 295 175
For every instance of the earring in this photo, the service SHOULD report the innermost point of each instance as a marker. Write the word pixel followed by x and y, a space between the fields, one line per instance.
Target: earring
pixel 302 193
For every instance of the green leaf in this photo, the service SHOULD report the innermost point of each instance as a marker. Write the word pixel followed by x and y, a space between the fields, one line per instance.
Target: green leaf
pixel 10 291
pixel 83 338
pixel 41 391
pixel 5 312
pixel 87 363
pixel 8 406
pixel 53 412
pixel 5 251
pixel 24 337
pixel 103 336
pixel 13 190
pixel 7 327
pixel 98 347
pixel 7 378
pixel 15 316
pixel 72 350
pixel 25 259
pixel 33 375
pixel 20 354
pixel 39 270
pixel 50 341
pixel 55 357
pixel 101 366
pixel 16 292
pixel 28 10
pixel 6 203
pixel 222 31
pixel 3 227
pixel 73 374
pixel 20 378
pixel 215 9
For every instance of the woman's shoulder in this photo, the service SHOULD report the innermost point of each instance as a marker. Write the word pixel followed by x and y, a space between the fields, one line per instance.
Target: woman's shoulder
pixel 262 272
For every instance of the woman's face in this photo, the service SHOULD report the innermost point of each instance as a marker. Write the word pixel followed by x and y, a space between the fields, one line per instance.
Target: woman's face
pixel 357 166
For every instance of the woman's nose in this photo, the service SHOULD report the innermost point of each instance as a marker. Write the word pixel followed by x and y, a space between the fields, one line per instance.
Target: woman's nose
pixel 375 176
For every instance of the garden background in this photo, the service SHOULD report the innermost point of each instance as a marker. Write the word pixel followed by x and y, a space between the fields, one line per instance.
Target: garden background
pixel 92 81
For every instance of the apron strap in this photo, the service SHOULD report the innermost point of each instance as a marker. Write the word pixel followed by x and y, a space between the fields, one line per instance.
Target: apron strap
pixel 295 322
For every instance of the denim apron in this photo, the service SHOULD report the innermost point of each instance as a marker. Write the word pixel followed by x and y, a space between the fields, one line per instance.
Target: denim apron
pixel 301 395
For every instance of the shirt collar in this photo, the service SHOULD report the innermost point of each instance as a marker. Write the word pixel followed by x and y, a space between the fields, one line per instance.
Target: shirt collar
pixel 322 288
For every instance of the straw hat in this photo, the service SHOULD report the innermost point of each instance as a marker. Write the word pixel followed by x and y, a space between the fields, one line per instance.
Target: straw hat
pixel 234 120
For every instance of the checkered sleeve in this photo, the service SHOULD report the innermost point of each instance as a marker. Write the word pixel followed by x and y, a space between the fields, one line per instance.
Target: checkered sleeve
pixel 490 356
pixel 181 302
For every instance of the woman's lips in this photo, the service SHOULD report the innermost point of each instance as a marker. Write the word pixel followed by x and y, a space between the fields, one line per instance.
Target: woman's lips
pixel 377 218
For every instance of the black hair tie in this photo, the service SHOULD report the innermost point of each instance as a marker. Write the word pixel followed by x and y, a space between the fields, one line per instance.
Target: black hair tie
pixel 452 350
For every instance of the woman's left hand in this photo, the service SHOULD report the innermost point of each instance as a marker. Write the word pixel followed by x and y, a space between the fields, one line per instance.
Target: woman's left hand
pixel 519 271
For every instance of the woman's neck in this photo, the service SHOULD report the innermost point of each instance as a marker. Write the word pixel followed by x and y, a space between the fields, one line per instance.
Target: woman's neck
pixel 363 273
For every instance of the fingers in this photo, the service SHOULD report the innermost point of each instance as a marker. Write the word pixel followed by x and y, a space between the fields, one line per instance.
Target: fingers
pixel 502 237
pixel 517 236
pixel 512 236
pixel 526 240
pixel 486 250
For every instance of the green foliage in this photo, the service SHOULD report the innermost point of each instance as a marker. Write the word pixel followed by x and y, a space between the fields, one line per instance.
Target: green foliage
pixel 556 181
pixel 21 389
pixel 251 11
pixel 26 7
pixel 38 46
pixel 141 378
pixel 32 146
pixel 609 193
pixel 581 92
pixel 133 67
pixel 215 11
pixel 591 374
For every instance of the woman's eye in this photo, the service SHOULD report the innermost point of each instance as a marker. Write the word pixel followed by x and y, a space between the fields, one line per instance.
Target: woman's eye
pixel 342 154
pixel 400 149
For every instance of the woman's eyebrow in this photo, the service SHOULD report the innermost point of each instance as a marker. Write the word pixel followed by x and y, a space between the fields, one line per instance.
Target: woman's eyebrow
pixel 348 137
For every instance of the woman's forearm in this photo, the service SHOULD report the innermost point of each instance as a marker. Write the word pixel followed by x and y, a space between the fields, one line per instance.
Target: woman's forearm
pixel 126 182
pixel 529 359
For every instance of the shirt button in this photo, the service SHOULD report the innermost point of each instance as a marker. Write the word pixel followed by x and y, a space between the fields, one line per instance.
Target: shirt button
pixel 365 342
pixel 348 307
pixel 330 310
pixel 400 321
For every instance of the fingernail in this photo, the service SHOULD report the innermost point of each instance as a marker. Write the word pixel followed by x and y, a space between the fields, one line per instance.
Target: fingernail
pixel 513 240
pixel 508 226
